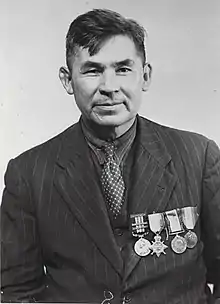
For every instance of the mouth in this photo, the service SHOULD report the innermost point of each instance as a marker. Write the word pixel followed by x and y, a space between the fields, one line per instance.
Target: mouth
pixel 107 108
pixel 108 104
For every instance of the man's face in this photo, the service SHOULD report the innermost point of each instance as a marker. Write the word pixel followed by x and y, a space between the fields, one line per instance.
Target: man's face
pixel 108 85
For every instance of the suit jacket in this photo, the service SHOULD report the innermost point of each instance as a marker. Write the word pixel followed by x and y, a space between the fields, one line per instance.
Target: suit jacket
pixel 53 214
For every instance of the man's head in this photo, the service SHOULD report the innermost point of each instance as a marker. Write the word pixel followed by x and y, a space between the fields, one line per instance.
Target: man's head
pixel 107 69
pixel 92 29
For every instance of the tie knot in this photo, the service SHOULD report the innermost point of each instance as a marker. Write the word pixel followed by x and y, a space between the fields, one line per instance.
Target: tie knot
pixel 109 150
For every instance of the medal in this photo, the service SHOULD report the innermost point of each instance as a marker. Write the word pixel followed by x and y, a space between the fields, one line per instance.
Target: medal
pixel 175 226
pixel 189 218
pixel 139 225
pixel 158 246
pixel 142 247
pixel 156 223
pixel 191 239
pixel 178 244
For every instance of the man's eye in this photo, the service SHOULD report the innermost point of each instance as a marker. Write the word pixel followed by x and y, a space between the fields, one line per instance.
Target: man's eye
pixel 123 70
pixel 92 72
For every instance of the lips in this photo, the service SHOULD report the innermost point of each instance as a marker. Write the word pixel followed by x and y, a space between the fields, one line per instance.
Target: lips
pixel 108 108
pixel 108 104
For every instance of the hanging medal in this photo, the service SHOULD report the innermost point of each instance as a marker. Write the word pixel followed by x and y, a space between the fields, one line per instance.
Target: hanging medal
pixel 189 219
pixel 178 243
pixel 139 228
pixel 142 247
pixel 157 224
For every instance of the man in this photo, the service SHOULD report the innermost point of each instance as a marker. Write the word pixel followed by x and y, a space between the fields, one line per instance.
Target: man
pixel 116 208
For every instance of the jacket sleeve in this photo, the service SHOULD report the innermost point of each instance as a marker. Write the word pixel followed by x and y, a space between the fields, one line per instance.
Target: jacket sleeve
pixel 211 215
pixel 21 261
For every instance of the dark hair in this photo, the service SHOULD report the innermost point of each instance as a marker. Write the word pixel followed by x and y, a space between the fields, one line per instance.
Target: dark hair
pixel 92 29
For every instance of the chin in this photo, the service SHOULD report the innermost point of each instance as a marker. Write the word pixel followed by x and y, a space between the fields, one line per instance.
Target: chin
pixel 111 121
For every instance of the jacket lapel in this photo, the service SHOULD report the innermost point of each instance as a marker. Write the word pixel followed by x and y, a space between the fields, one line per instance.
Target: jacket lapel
pixel 79 187
pixel 153 179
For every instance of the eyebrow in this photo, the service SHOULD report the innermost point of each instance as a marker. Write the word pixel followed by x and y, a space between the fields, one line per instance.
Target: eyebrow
pixel 93 64
pixel 126 62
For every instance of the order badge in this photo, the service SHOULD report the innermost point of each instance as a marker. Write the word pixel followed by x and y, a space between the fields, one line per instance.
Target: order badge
pixel 158 246
pixel 157 224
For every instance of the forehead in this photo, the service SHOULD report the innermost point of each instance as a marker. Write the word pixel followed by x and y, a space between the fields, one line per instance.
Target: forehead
pixel 115 49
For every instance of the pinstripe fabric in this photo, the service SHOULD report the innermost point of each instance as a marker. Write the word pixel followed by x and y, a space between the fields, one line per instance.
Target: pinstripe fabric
pixel 53 213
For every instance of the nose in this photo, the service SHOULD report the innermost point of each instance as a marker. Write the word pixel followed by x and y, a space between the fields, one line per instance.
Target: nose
pixel 109 83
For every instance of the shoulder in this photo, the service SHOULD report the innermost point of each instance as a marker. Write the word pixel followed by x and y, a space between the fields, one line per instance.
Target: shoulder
pixel 192 154
pixel 187 148
pixel 176 139
pixel 43 153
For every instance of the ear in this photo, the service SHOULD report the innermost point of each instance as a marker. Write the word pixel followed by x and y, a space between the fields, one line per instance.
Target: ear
pixel 66 79
pixel 147 77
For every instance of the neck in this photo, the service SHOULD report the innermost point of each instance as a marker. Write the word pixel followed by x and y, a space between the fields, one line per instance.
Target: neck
pixel 108 132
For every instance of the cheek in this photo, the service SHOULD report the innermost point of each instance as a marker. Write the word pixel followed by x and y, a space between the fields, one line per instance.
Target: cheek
pixel 87 86
pixel 132 87
pixel 133 81
pixel 84 92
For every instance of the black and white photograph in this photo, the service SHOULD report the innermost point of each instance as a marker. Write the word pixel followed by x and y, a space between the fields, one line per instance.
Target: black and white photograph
pixel 110 158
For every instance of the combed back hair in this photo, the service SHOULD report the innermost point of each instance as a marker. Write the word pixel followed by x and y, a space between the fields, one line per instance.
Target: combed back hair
pixel 92 29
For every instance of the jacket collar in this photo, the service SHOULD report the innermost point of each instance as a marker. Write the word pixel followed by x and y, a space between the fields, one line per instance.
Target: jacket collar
pixel 152 141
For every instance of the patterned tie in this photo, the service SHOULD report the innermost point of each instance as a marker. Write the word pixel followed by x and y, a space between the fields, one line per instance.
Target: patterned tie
pixel 112 181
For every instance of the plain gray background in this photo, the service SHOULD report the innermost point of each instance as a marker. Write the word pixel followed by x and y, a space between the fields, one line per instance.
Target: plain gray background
pixel 183 48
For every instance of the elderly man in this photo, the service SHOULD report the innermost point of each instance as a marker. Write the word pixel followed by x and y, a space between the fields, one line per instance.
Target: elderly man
pixel 116 208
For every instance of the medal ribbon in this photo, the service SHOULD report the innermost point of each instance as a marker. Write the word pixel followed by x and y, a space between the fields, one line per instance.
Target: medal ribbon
pixel 139 225
pixel 173 222
pixel 156 222
pixel 189 217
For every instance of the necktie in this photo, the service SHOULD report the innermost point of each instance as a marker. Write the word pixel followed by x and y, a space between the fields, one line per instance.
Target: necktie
pixel 112 181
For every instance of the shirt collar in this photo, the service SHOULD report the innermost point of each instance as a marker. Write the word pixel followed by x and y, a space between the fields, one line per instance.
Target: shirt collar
pixel 122 143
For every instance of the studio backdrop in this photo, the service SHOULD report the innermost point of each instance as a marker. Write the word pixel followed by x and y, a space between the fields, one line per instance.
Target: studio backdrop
pixel 183 48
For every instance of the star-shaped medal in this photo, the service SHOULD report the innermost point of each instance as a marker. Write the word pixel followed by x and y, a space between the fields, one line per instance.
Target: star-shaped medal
pixel 158 246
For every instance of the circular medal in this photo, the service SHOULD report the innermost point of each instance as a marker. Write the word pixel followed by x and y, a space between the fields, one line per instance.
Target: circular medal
pixel 191 239
pixel 142 247
pixel 178 244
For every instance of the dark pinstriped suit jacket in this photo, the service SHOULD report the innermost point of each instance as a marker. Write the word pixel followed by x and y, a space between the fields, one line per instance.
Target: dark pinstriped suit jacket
pixel 53 214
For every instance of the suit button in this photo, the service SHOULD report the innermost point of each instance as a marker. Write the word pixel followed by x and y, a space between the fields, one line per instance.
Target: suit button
pixel 118 232
pixel 127 298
